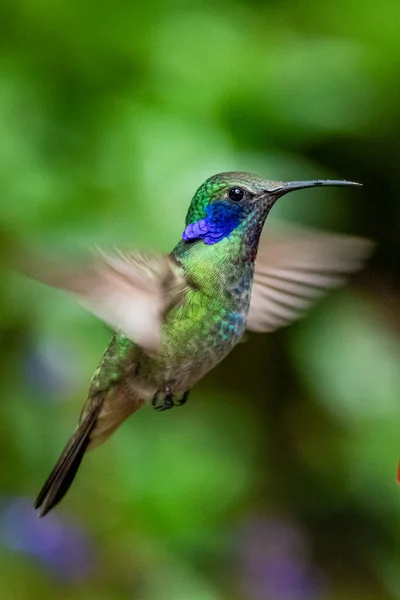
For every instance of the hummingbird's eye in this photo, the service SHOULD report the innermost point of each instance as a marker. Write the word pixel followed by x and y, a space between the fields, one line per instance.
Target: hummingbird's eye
pixel 236 194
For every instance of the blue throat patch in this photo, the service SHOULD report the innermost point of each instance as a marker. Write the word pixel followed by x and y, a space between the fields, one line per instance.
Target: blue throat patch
pixel 220 220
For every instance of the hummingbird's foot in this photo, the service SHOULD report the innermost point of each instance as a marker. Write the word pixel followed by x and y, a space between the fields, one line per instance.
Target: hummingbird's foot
pixel 167 401
pixel 183 400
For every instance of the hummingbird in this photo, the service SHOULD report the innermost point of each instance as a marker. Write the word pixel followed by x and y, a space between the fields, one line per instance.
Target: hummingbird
pixel 177 315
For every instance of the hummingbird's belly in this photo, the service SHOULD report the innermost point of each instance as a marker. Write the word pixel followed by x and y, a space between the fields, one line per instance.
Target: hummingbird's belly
pixel 191 347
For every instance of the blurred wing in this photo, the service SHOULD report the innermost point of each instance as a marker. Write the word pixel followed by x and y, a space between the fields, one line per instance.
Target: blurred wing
pixel 294 270
pixel 130 291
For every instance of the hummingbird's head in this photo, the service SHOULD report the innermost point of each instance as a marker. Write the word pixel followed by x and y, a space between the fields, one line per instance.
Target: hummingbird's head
pixel 228 201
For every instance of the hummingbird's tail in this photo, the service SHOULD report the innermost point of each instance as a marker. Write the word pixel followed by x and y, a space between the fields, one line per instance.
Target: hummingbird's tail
pixel 61 477
pixel 102 414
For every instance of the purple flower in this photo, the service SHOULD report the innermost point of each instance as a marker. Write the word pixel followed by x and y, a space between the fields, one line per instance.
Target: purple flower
pixel 59 546
pixel 275 562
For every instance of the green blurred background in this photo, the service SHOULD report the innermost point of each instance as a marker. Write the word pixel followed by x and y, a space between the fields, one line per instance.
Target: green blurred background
pixel 277 481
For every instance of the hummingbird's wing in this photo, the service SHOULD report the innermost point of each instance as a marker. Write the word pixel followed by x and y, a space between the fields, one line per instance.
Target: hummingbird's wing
pixel 295 269
pixel 130 291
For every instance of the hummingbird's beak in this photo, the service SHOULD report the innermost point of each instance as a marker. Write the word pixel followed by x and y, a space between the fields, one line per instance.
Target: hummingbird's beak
pixel 291 186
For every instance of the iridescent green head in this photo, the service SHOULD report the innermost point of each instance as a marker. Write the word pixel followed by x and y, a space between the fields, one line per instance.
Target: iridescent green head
pixel 227 201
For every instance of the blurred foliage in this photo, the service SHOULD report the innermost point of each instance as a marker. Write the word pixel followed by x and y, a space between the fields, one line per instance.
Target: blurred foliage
pixel 278 480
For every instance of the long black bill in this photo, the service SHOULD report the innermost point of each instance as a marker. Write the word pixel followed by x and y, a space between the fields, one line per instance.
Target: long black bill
pixel 291 186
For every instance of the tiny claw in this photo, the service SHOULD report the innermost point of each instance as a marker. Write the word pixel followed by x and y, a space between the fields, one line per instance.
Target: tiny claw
pixel 183 400
pixel 167 401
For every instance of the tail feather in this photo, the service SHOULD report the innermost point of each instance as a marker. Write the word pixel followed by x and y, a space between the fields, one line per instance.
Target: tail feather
pixel 61 477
